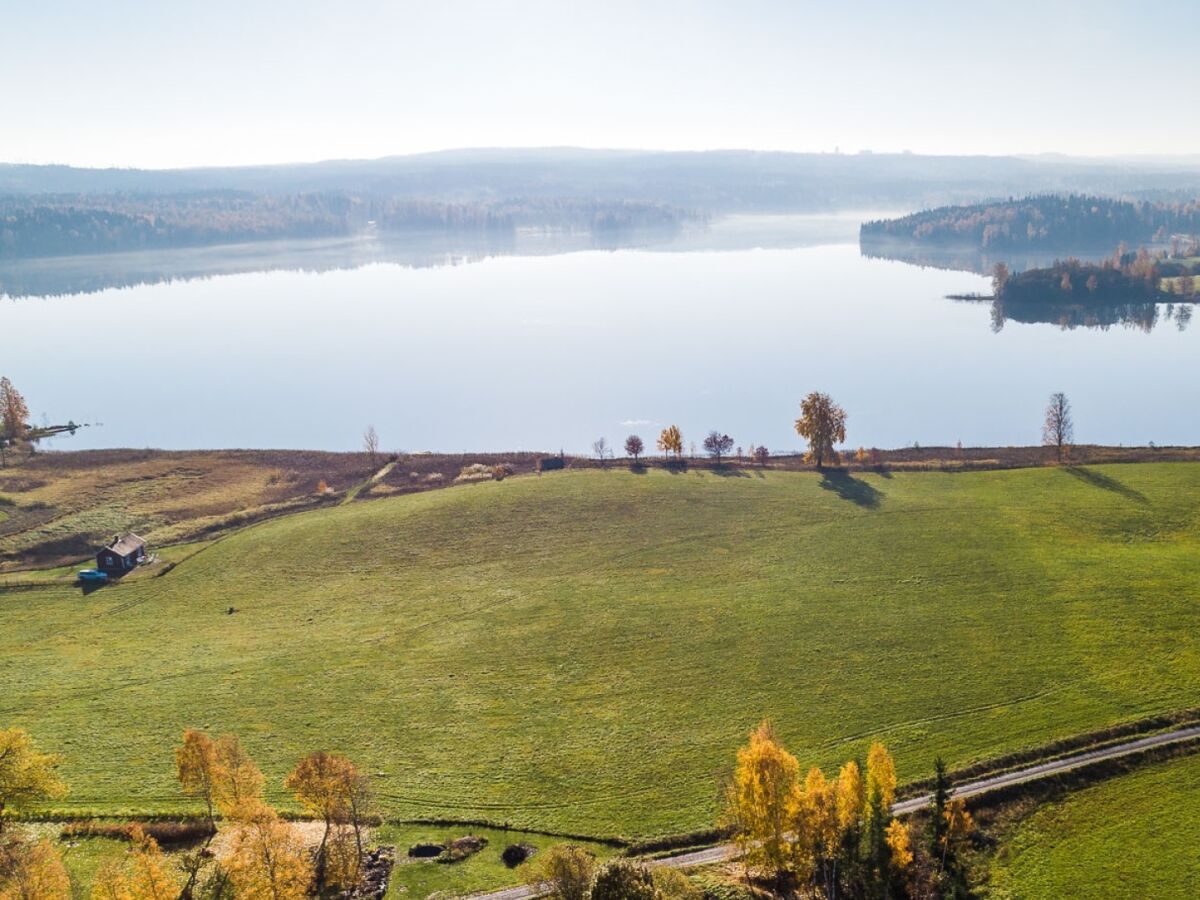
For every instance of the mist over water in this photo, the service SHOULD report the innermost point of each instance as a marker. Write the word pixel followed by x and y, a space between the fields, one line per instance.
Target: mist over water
pixel 553 342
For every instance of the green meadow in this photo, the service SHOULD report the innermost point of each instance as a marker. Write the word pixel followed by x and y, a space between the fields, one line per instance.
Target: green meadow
pixel 584 651
pixel 1134 836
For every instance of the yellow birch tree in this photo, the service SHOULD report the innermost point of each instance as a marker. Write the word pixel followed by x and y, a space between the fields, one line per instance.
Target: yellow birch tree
pixel 761 801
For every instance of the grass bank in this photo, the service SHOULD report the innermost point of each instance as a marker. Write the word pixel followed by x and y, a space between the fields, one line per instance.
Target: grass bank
pixel 1134 836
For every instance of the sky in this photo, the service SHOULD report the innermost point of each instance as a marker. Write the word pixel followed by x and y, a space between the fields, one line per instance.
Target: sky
pixel 182 83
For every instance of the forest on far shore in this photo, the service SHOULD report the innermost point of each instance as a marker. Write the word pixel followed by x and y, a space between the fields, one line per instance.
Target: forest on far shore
pixel 68 224
pixel 1069 222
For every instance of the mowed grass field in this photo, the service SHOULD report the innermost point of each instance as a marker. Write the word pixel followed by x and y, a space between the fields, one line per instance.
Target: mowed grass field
pixel 1134 836
pixel 584 651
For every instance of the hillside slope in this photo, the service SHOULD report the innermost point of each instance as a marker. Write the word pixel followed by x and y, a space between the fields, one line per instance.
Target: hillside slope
pixel 1134 836
pixel 584 651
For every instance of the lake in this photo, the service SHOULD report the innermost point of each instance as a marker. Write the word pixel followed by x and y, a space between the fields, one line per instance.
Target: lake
pixel 549 342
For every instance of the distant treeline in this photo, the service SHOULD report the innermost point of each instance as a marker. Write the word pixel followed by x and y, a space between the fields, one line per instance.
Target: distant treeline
pixel 1050 222
pixel 718 181
pixel 67 224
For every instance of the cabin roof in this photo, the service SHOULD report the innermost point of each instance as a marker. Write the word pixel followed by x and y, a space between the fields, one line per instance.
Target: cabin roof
pixel 124 544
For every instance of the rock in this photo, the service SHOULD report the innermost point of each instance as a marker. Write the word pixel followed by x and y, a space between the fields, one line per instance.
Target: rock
pixel 376 872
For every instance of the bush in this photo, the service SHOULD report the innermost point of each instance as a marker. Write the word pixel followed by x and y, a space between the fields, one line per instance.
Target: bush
pixel 460 848
pixel 622 879
pixel 566 870
pixel 674 885
pixel 712 888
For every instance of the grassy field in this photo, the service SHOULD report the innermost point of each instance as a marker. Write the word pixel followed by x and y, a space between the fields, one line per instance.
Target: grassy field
pixel 1134 836
pixel 57 508
pixel 417 878
pixel 584 651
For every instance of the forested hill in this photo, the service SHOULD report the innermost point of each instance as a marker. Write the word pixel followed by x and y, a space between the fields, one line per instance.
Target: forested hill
pixel 1050 222
pixel 57 225
pixel 719 181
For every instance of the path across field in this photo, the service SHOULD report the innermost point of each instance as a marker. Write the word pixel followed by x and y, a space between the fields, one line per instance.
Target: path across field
pixel 725 852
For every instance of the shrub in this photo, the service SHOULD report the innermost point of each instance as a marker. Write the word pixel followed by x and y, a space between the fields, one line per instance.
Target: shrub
pixel 713 888
pixel 674 885
pixel 622 879
pixel 566 870
pixel 461 848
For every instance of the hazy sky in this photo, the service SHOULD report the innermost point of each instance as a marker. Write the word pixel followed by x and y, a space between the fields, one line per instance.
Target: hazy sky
pixel 176 82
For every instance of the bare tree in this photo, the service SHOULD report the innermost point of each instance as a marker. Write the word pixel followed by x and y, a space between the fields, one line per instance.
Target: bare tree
pixel 634 446
pixel 1058 430
pixel 761 455
pixel 371 445
pixel 600 448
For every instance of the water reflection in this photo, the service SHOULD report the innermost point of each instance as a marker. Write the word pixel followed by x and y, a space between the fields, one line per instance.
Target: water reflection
pixel 1136 315
pixel 1139 316
pixel 62 276
pixel 969 259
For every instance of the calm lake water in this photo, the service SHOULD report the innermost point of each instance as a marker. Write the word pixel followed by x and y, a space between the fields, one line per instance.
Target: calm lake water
pixel 551 342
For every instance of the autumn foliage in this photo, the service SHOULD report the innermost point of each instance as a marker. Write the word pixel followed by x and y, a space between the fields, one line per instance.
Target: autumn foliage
pixel 32 870
pixel 827 837
pixel 670 441
pixel 823 424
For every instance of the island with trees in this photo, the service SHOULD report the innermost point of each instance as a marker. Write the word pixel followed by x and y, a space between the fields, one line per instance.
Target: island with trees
pixel 1049 223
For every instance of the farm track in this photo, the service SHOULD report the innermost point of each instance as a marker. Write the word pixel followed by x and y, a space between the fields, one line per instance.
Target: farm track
pixel 727 852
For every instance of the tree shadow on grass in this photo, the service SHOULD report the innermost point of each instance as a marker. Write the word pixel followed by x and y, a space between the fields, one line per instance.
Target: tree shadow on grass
pixel 1105 483
pixel 727 471
pixel 850 488
pixel 638 468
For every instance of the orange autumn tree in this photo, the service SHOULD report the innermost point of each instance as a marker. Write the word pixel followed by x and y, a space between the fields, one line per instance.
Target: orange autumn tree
pixel 198 770
pixel 144 874
pixel 32 871
pixel 267 859
pixel 238 782
pixel 329 786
